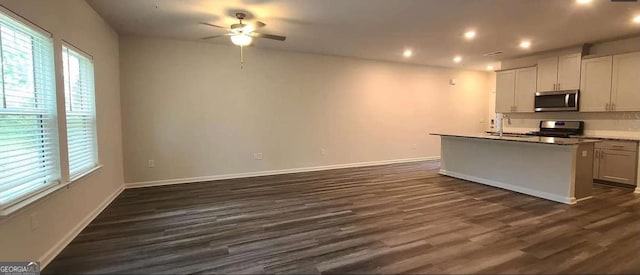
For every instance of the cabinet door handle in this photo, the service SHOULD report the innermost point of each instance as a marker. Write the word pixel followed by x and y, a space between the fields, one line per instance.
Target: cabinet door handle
pixel 606 108
pixel 558 86
pixel 613 106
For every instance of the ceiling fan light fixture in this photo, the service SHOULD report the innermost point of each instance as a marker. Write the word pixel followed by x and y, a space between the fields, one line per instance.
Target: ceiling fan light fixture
pixel 241 39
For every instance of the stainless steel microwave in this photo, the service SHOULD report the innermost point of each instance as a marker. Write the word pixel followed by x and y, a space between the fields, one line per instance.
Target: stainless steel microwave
pixel 556 101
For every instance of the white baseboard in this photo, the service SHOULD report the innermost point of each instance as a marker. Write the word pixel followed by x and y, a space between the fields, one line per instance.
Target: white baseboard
pixel 573 199
pixel 273 172
pixel 60 245
pixel 519 189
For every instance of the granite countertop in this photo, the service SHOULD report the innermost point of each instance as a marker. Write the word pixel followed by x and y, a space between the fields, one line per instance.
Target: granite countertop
pixel 605 137
pixel 587 136
pixel 523 138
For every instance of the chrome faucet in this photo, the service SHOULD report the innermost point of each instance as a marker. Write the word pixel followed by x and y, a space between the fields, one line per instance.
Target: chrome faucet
pixel 508 119
pixel 500 123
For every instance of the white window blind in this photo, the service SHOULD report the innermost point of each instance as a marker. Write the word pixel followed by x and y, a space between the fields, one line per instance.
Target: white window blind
pixel 80 105
pixel 28 128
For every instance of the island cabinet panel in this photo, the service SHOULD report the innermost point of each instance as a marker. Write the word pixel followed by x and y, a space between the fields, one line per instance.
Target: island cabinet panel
pixel 596 163
pixel 505 88
pixel 625 86
pixel 595 87
pixel 557 169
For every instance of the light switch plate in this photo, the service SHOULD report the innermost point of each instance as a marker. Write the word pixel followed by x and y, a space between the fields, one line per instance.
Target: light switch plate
pixel 257 156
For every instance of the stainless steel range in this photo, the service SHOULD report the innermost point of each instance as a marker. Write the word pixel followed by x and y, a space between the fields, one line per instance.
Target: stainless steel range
pixel 559 128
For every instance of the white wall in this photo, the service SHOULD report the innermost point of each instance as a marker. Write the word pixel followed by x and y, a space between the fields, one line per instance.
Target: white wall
pixel 616 47
pixel 491 109
pixel 188 106
pixel 60 214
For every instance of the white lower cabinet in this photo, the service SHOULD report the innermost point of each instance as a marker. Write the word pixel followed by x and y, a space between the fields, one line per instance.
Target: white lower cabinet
pixel 616 162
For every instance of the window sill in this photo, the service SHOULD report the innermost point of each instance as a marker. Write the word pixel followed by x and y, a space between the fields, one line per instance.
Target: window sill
pixel 85 174
pixel 15 208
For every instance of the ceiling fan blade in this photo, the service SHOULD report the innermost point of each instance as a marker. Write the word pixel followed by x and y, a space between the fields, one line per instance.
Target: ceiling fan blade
pixel 212 25
pixel 268 36
pixel 253 26
pixel 213 36
pixel 259 24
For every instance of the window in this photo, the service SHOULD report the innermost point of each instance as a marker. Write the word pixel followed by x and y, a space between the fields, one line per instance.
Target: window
pixel 29 160
pixel 80 108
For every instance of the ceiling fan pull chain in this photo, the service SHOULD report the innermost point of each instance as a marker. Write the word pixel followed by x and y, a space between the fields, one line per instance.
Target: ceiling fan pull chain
pixel 241 57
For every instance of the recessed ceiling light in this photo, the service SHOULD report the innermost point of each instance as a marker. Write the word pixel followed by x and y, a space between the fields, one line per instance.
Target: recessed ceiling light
pixel 636 19
pixel 457 59
pixel 489 67
pixel 407 53
pixel 525 44
pixel 469 35
pixel 582 2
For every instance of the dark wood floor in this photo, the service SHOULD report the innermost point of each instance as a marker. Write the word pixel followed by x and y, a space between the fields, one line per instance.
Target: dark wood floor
pixel 401 218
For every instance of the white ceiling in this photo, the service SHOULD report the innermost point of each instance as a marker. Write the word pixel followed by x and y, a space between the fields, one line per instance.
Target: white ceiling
pixel 382 29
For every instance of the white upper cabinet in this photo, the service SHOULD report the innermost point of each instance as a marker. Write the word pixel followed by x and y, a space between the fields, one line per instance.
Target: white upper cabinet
pixel 559 73
pixel 515 90
pixel 505 88
pixel 595 86
pixel 547 74
pixel 525 89
pixel 625 86
pixel 610 83
pixel 569 72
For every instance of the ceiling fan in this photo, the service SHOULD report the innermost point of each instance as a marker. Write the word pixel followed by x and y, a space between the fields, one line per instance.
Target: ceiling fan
pixel 243 34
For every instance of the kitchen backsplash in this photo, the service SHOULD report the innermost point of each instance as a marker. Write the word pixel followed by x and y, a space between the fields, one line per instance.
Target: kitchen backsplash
pixel 623 124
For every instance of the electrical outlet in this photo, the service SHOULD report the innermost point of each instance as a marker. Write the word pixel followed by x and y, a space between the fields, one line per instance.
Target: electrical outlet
pixel 35 222
pixel 257 156
pixel 151 163
pixel 323 152
pixel 584 153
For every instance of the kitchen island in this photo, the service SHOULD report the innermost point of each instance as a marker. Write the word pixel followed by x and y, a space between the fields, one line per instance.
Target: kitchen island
pixel 557 169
